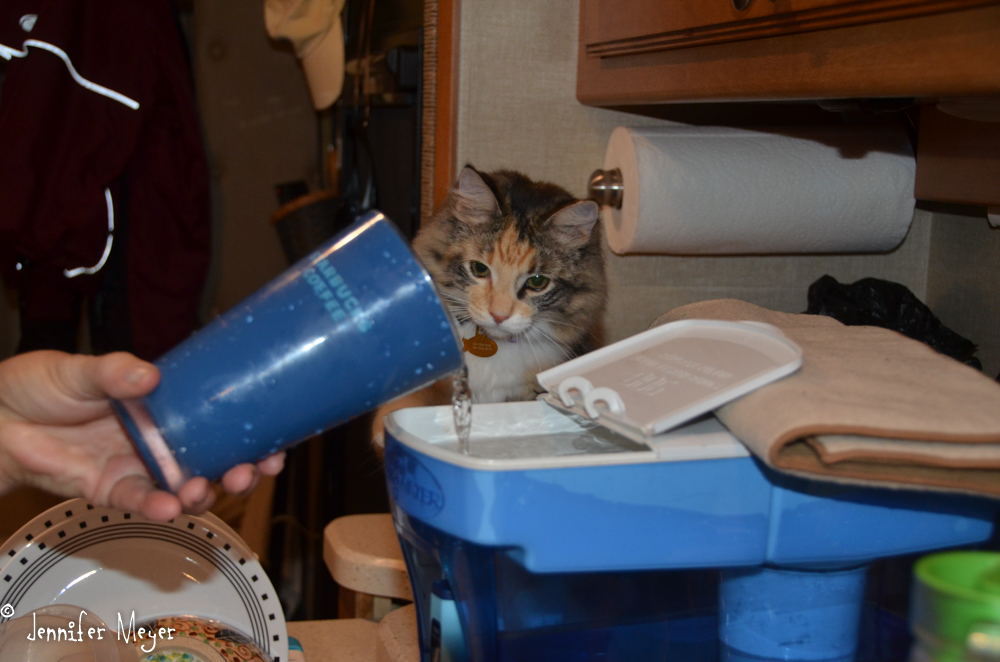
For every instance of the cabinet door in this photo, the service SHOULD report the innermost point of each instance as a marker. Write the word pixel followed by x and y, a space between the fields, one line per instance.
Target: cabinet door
pixel 622 27
pixel 780 55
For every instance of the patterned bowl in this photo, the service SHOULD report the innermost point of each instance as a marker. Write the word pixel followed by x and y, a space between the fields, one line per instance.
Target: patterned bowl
pixel 191 639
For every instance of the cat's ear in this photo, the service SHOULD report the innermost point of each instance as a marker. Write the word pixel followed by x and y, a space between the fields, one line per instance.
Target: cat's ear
pixel 575 222
pixel 474 200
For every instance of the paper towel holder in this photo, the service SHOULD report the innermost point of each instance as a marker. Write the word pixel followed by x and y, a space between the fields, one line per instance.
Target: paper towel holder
pixel 605 188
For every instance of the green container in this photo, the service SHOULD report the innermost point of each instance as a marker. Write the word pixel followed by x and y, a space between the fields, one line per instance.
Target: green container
pixel 955 607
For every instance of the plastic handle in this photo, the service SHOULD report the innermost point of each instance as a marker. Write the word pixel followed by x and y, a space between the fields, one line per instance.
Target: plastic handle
pixel 606 395
pixel 574 383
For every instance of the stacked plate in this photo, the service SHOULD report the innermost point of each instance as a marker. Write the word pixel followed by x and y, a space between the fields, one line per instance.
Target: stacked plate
pixel 129 571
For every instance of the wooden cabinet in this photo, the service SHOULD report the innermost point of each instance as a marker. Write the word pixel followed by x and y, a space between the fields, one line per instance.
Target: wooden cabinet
pixel 958 160
pixel 641 26
pixel 653 51
pixel 659 53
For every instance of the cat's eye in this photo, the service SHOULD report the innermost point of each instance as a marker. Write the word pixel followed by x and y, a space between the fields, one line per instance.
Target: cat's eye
pixel 537 282
pixel 479 269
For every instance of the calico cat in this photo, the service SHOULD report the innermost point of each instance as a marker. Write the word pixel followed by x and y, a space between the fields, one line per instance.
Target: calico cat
pixel 518 263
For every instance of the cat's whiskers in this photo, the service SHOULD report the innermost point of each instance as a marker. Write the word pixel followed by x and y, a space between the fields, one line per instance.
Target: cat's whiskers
pixel 451 298
pixel 457 305
pixel 573 332
pixel 531 346
pixel 454 296
pixel 562 346
pixel 550 320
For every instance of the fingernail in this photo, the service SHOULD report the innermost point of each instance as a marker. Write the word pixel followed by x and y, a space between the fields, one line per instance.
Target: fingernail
pixel 137 374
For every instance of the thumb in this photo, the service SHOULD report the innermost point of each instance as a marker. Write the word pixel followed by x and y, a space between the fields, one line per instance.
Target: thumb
pixel 118 375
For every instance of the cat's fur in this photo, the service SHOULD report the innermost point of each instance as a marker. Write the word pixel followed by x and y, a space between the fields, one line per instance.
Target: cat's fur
pixel 518 229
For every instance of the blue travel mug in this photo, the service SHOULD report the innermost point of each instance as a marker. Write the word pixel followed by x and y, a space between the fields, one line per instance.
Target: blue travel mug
pixel 351 326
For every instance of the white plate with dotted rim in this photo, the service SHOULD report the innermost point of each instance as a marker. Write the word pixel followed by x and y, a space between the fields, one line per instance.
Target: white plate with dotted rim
pixel 112 563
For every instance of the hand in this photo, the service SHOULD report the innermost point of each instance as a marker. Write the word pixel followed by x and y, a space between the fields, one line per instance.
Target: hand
pixel 58 432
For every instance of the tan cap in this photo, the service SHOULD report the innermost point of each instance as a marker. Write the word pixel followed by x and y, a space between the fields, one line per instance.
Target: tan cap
pixel 316 32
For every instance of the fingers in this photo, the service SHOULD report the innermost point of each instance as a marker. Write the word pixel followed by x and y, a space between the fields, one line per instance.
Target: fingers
pixel 129 487
pixel 196 495
pixel 138 494
pixel 241 479
pixel 160 506
pixel 272 465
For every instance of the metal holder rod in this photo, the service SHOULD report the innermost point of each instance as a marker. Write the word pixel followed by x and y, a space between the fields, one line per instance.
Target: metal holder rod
pixel 605 188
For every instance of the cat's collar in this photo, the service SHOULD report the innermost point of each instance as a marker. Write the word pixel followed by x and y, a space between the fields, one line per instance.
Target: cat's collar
pixel 482 345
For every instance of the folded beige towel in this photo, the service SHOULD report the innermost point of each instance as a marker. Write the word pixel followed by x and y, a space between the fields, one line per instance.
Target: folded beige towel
pixel 869 406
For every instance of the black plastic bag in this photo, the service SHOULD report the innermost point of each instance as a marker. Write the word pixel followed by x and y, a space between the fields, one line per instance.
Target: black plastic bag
pixel 874 302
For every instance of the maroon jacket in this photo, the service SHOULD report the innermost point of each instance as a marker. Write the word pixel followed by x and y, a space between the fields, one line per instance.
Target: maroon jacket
pixel 62 145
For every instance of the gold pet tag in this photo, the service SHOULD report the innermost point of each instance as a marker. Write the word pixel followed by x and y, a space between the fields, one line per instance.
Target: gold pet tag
pixel 479 344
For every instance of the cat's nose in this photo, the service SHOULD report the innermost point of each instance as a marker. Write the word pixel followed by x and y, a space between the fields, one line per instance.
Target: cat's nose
pixel 499 319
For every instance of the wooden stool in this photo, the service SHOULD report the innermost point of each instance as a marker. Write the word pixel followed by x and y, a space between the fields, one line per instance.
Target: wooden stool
pixel 364 557
pixel 397 637
pixel 339 640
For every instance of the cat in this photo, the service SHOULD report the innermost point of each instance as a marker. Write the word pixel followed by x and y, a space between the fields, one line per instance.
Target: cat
pixel 519 262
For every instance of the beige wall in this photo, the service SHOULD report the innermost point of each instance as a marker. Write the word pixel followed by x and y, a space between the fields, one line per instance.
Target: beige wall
pixel 260 131
pixel 643 287
pixel 517 109
pixel 963 282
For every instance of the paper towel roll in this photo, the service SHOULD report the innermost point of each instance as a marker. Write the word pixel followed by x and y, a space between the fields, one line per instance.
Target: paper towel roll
pixel 719 190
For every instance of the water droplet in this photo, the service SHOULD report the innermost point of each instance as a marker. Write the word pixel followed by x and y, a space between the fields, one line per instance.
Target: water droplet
pixel 182 449
pixel 249 319
pixel 387 353
pixel 246 440
pixel 368 403
pixel 418 371
pixel 444 325
pixel 386 254
pixel 444 353
pixel 248 426
pixel 430 366
pixel 371 384
pixel 291 306
pixel 416 343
